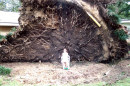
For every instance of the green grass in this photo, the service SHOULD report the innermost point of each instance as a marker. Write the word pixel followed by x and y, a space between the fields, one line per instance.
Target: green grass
pixel 124 82
pixel 6 81
pixel 4 70
pixel 12 83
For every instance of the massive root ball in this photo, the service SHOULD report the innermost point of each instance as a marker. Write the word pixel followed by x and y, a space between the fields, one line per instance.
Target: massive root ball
pixel 49 26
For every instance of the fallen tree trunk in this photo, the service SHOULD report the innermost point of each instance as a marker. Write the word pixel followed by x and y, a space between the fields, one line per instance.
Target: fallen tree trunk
pixel 49 26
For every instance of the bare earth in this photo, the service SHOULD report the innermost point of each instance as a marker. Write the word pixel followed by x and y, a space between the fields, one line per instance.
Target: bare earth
pixel 80 72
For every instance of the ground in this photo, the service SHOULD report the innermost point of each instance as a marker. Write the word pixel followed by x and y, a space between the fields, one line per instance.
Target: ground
pixel 79 73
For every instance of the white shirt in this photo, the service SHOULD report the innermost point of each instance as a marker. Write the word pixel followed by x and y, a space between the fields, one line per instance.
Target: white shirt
pixel 65 57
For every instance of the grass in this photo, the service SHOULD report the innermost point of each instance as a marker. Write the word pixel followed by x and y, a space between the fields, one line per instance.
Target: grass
pixel 13 83
pixel 94 84
pixel 4 70
pixel 6 81
pixel 124 82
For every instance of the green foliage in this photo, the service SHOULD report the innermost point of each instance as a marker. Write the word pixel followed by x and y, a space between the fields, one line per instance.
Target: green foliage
pixel 13 29
pixel 2 37
pixel 2 5
pixel 121 34
pixel 114 17
pixel 10 33
pixel 121 8
pixel 9 5
pixel 4 71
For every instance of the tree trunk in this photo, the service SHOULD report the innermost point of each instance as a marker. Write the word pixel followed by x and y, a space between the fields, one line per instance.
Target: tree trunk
pixel 49 26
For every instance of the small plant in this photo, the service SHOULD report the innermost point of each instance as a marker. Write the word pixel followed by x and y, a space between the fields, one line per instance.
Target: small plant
pixel 2 37
pixel 4 71
pixel 123 73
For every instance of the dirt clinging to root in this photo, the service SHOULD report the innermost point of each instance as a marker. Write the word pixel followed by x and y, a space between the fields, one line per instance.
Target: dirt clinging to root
pixel 49 26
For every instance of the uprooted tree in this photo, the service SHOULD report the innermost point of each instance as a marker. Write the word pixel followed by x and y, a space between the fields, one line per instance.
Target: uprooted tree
pixel 83 27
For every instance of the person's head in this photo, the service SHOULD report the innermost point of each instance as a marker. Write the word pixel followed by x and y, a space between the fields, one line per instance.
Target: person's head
pixel 65 50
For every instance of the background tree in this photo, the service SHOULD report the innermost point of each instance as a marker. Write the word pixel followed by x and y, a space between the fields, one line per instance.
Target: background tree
pixel 121 9
pixel 2 5
pixel 9 5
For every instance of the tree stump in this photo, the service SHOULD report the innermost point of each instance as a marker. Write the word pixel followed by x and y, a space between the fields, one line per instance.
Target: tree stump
pixel 49 26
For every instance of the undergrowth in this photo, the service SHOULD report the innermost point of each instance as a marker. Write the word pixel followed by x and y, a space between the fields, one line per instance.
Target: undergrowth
pixel 4 70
